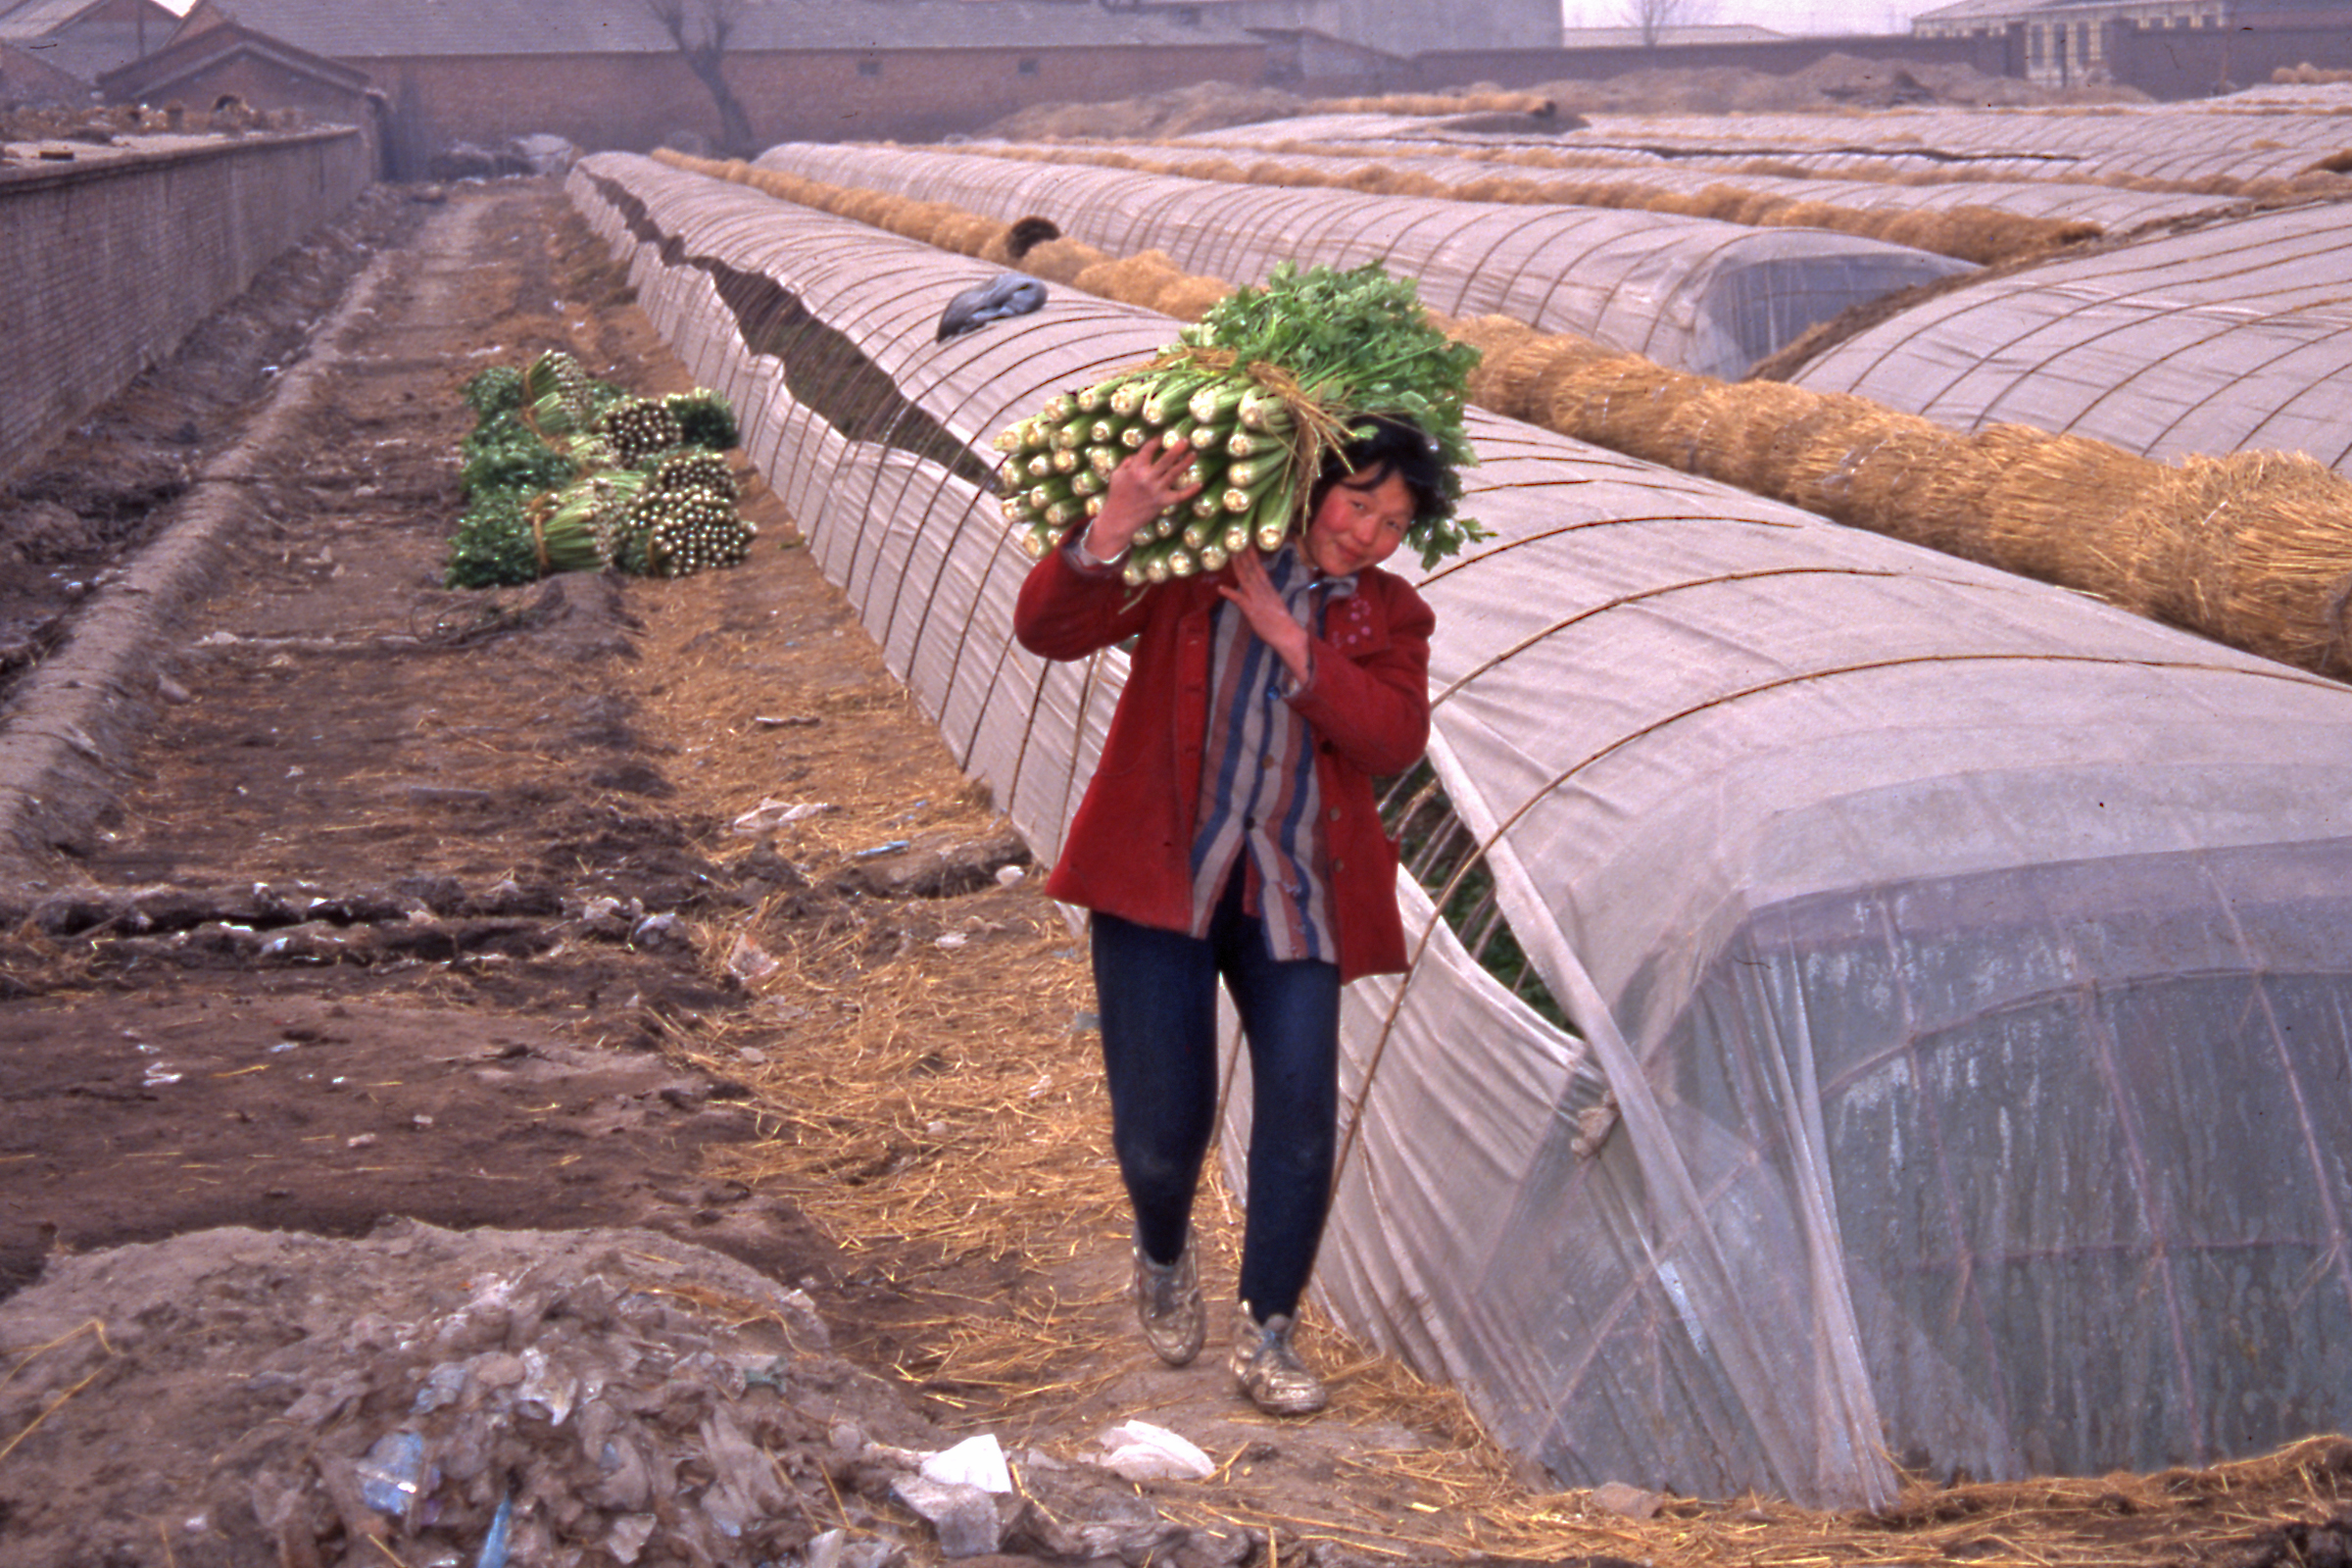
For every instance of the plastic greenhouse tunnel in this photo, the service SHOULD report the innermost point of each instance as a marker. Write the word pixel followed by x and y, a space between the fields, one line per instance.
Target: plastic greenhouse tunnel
pixel 1869 1009
pixel 1692 293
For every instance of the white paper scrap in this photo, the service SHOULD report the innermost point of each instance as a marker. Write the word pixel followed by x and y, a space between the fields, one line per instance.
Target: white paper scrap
pixel 973 1462
pixel 1141 1452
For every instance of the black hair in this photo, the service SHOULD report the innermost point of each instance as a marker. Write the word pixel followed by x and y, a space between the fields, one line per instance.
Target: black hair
pixel 1384 445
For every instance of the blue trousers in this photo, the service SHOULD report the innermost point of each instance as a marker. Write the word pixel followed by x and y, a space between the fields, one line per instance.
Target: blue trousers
pixel 1157 998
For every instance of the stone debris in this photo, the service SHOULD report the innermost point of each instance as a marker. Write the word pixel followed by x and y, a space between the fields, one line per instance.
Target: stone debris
pixel 964 1517
pixel 1627 1501
pixel 574 1399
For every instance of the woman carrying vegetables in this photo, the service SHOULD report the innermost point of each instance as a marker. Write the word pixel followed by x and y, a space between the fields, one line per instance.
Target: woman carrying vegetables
pixel 1230 831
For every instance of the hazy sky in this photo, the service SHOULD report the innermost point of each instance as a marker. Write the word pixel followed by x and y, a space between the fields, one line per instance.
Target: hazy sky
pixel 1782 15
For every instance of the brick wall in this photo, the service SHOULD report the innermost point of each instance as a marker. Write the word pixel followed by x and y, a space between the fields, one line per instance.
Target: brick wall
pixel 266 83
pixel 105 266
pixel 2190 63
pixel 632 103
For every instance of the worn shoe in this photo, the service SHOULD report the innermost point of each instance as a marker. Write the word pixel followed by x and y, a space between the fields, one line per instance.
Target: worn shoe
pixel 1269 1371
pixel 1167 1302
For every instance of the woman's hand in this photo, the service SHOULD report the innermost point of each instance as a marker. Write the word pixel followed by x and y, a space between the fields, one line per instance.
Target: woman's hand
pixel 1251 592
pixel 1142 487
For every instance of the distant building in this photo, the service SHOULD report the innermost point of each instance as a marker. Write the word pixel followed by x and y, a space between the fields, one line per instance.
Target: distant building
pixel 603 73
pixel 215 61
pixel 28 81
pixel 1363 45
pixel 84 37
pixel 2073 40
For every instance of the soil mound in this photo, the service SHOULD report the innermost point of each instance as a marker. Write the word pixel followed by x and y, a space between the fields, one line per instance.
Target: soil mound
pixel 425 1396
pixel 1206 106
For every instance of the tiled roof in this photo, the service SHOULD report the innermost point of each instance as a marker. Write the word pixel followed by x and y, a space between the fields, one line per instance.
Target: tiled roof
pixel 35 19
pixel 1971 9
pixel 187 57
pixel 32 80
pixel 397 29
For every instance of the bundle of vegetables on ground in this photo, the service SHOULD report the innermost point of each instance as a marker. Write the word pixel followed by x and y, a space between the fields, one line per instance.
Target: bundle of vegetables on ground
pixel 564 472
pixel 1261 389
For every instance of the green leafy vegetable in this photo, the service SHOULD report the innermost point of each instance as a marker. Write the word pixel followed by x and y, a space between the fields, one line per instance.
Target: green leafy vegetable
pixel 705 419
pixel 1357 343
pixel 567 474
pixel 493 546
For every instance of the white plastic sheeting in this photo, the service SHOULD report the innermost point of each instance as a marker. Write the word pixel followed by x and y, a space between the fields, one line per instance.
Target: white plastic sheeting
pixel 1969 964
pixel 2168 142
pixel 1698 295
pixel 1455 164
pixel 2220 138
pixel 2232 336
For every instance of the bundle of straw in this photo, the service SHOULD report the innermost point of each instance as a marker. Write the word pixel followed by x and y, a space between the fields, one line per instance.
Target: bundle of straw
pixel 1728 431
pixel 1494 337
pixel 966 233
pixel 1810 213
pixel 1268 173
pixel 1061 261
pixel 2254 549
pixel 1499 188
pixel 1926 484
pixel 1191 297
pixel 1379 179
pixel 1621 402
pixel 2053 510
pixel 1833 459
pixel 1509 380
pixel 1136 279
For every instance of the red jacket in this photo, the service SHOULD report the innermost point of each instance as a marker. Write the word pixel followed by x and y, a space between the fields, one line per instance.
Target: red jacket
pixel 1128 851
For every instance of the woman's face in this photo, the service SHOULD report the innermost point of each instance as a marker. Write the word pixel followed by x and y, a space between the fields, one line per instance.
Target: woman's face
pixel 1359 523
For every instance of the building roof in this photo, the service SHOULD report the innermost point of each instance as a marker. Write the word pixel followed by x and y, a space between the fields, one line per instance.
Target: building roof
pixel 2018 9
pixel 83 38
pixel 409 28
pixel 35 19
pixel 191 54
pixel 27 78
pixel 1975 11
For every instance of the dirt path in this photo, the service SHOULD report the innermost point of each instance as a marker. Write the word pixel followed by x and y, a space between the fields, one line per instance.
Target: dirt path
pixel 415 911
pixel 424 903
pixel 319 963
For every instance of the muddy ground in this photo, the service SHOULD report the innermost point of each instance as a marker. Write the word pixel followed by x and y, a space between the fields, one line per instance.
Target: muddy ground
pixel 404 920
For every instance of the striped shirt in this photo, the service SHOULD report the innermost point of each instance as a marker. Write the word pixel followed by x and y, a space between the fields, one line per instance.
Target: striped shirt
pixel 1257 775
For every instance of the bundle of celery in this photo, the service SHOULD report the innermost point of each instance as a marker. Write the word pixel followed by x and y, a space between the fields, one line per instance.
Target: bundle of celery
pixel 564 472
pixel 686 518
pixel 1261 389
